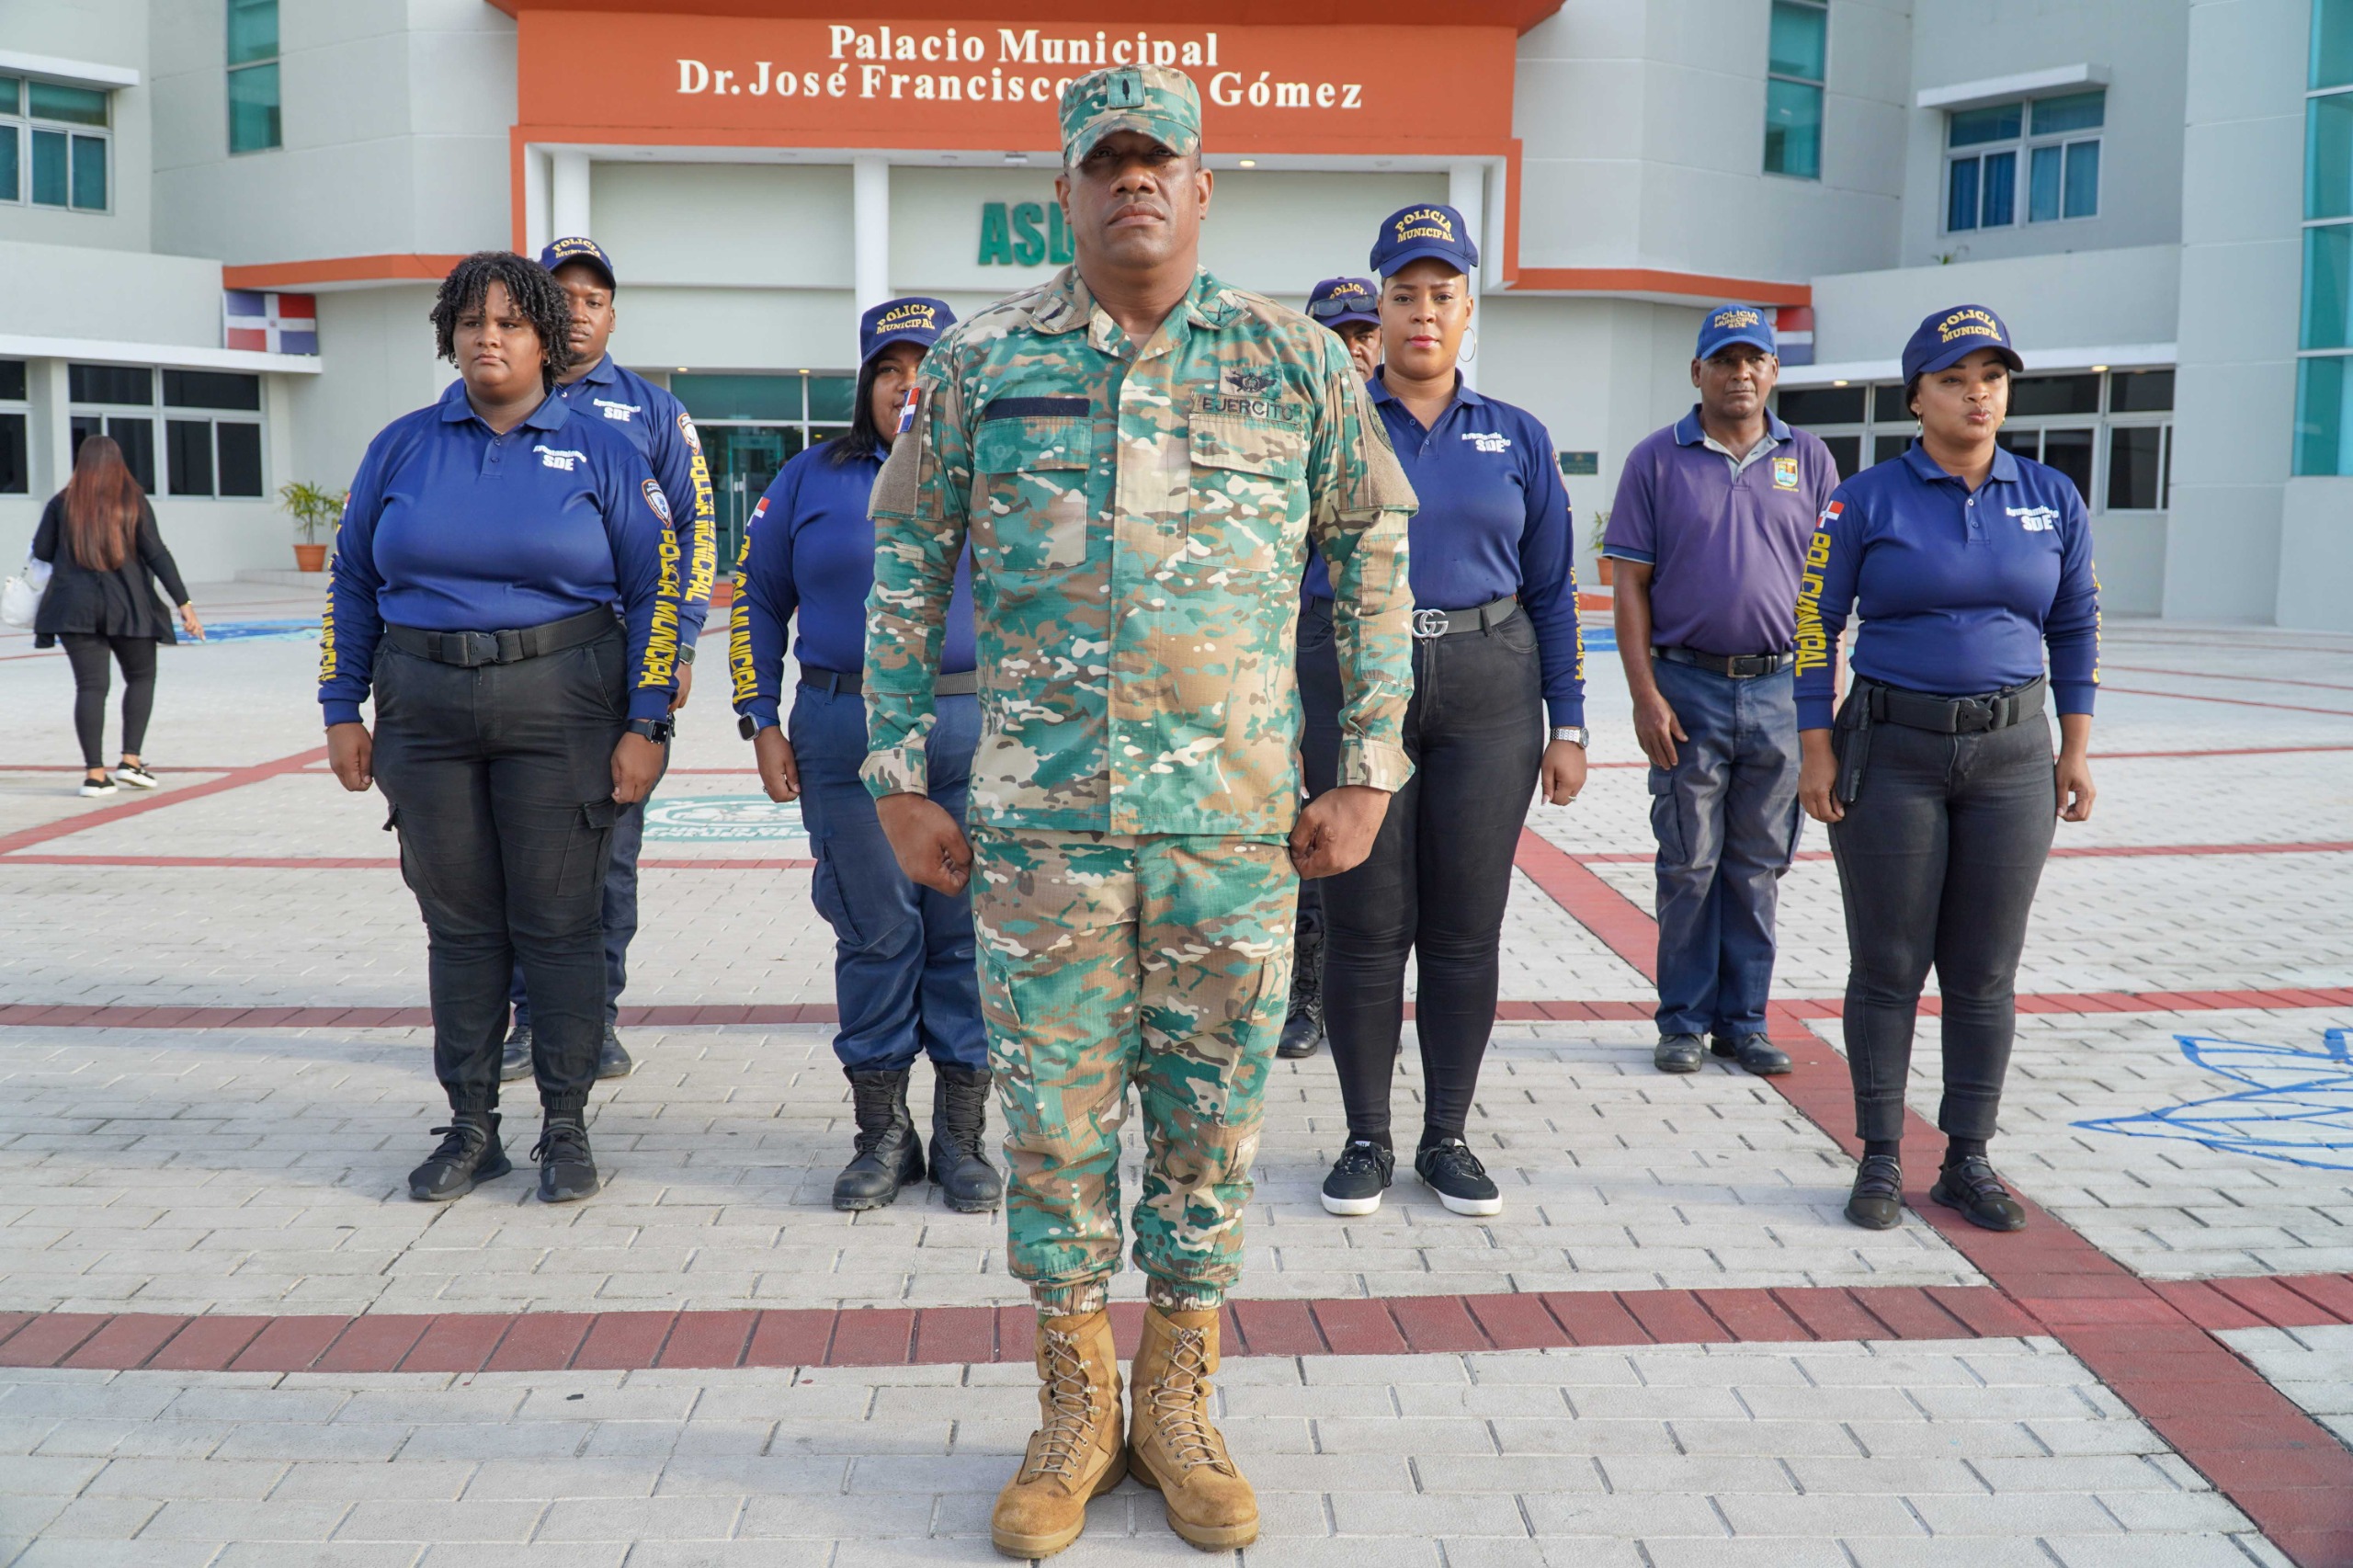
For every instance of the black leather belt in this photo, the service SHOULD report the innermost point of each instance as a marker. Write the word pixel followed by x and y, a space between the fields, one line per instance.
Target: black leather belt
pixel 962 683
pixel 1430 624
pixel 1734 666
pixel 1955 715
pixel 469 649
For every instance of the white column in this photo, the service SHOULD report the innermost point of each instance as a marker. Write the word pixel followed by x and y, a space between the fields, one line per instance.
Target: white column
pixel 538 202
pixel 568 194
pixel 869 231
pixel 50 443
pixel 1466 189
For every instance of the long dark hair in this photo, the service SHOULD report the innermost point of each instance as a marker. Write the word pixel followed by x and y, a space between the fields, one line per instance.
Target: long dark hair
pixel 102 502
pixel 537 295
pixel 865 438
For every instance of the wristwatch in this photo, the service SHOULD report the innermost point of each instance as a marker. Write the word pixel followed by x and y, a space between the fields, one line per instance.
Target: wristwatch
pixel 654 729
pixel 1576 734
pixel 746 726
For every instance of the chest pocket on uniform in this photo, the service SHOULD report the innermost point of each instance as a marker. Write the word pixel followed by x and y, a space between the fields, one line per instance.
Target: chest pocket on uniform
pixel 1030 474
pixel 1247 483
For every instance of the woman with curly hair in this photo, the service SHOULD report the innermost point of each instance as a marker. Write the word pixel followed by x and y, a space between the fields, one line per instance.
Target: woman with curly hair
pixel 500 589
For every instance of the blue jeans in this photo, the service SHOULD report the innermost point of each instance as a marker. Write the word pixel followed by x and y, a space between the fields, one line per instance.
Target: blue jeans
pixel 904 968
pixel 619 913
pixel 1726 819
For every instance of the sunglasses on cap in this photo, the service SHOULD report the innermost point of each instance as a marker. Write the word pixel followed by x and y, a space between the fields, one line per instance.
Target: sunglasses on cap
pixel 1342 305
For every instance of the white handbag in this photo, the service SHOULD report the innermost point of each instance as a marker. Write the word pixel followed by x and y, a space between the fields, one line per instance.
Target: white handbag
pixel 20 596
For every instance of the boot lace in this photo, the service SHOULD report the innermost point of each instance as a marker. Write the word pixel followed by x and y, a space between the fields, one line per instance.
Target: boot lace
pixel 1974 1174
pixel 1070 1421
pixel 1179 1404
pixel 456 1143
pixel 1879 1177
pixel 561 1141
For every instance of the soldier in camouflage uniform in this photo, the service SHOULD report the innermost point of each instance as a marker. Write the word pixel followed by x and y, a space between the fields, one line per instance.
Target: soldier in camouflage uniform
pixel 1139 457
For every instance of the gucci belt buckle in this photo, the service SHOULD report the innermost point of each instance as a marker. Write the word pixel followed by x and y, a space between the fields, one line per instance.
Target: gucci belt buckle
pixel 1431 624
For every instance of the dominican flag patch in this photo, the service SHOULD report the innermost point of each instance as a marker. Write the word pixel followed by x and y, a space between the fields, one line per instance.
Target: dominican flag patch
pixel 269 322
pixel 907 410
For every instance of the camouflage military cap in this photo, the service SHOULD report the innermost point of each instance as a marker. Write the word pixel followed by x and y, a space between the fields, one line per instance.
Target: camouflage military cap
pixel 1159 100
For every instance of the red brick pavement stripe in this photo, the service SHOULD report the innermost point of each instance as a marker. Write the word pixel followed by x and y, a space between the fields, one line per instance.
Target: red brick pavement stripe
pixel 540 1341
pixel 126 1341
pixel 212 1344
pixel 2055 1276
pixel 623 1341
pixel 288 1344
pixel 50 1338
pixel 26 837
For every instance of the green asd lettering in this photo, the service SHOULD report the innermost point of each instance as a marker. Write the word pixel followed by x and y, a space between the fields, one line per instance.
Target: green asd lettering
pixel 1024 234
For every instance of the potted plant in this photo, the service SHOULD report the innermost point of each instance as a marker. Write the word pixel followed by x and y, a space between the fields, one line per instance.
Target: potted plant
pixel 313 507
pixel 1602 565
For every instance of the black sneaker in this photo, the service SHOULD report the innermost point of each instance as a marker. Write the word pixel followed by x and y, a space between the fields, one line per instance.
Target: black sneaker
pixel 515 1061
pixel 98 786
pixel 134 775
pixel 1972 1186
pixel 469 1155
pixel 567 1170
pixel 1454 1172
pixel 1358 1177
pixel 612 1057
pixel 1877 1203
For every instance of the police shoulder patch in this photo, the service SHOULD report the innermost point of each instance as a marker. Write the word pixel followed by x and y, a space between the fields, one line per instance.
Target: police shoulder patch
pixel 686 428
pixel 655 499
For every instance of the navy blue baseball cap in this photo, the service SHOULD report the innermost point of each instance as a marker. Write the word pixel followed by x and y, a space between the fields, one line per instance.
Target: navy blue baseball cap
pixel 1950 336
pixel 579 247
pixel 911 320
pixel 1336 302
pixel 1730 323
pixel 1413 232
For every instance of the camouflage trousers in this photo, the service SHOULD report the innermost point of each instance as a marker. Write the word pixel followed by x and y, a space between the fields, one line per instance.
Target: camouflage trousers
pixel 1161 961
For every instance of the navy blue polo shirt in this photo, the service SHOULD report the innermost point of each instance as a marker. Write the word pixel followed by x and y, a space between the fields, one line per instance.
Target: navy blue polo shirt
pixel 658 426
pixel 1493 520
pixel 1724 537
pixel 1959 593
pixel 453 528
pixel 808 551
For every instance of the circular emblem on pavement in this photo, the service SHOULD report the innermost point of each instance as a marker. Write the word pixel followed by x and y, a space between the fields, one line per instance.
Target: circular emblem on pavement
pixel 711 818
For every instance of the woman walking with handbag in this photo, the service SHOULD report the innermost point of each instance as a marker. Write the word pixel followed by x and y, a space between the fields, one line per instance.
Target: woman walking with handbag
pixel 106 555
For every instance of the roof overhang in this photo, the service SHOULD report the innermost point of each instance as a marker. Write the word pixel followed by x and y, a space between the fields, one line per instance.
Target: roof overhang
pixel 2039 361
pixel 1518 15
pixel 81 72
pixel 171 356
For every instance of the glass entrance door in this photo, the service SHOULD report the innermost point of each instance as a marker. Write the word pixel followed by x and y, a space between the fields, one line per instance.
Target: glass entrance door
pixel 743 462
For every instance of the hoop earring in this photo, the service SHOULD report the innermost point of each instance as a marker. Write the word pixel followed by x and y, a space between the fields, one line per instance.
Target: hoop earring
pixel 1470 346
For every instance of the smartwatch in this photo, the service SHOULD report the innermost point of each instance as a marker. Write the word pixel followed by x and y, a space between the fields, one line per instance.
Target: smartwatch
pixel 1575 733
pixel 746 726
pixel 654 729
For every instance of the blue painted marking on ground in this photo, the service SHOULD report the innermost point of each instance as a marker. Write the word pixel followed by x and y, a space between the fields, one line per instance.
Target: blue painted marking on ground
pixel 730 818
pixel 305 630
pixel 2297 1106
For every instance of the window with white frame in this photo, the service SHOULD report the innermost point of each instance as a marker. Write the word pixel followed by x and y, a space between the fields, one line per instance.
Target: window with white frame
pixel 15 462
pixel 2032 161
pixel 54 144
pixel 2323 433
pixel 206 426
pixel 1796 66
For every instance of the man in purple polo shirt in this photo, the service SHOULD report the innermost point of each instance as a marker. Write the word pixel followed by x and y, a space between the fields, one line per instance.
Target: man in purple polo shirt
pixel 1709 534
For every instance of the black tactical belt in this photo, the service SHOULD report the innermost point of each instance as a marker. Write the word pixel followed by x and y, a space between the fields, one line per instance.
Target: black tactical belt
pixel 963 683
pixel 1955 715
pixel 1734 666
pixel 469 649
pixel 1431 624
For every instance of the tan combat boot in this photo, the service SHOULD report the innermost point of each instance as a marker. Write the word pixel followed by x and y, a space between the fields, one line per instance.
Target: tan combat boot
pixel 1174 1447
pixel 1076 1452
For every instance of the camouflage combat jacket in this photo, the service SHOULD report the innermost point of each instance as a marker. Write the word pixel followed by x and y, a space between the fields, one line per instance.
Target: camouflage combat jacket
pixel 1138 523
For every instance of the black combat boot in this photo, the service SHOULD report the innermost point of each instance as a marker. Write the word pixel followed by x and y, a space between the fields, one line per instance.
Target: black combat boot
pixel 469 1155
pixel 514 1056
pixel 567 1170
pixel 890 1156
pixel 1304 1029
pixel 959 1115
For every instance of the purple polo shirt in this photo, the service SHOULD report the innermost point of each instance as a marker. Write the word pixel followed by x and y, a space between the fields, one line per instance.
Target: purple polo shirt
pixel 1726 542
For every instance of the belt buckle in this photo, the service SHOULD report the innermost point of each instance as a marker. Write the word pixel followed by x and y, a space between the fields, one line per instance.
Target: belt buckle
pixel 482 648
pixel 1975 708
pixel 1430 624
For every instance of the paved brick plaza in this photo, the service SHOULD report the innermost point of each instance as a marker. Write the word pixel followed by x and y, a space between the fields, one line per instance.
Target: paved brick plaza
pixel 227 1338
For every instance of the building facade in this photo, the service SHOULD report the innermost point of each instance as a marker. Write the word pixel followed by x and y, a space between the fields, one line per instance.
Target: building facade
pixel 221 220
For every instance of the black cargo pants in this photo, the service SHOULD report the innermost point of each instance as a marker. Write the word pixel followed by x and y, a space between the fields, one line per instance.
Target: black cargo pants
pixel 500 779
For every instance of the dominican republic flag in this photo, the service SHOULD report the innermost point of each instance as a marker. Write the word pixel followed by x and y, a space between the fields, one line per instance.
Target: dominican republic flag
pixel 1793 330
pixel 275 323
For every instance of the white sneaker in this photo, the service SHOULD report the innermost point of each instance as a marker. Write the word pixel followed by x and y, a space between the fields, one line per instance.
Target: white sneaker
pixel 132 774
pixel 97 786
